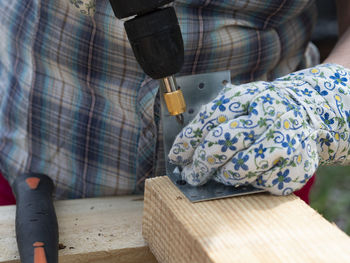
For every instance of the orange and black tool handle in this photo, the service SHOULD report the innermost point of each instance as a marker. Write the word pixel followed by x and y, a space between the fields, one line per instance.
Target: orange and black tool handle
pixel 36 221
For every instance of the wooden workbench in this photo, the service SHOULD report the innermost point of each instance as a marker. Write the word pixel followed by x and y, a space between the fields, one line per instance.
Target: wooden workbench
pixel 258 228
pixel 98 230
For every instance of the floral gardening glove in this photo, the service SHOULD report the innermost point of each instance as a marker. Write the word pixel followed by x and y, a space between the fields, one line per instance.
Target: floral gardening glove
pixel 85 7
pixel 272 135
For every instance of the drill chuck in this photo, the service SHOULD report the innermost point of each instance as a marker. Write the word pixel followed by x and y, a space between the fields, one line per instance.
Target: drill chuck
pixel 157 42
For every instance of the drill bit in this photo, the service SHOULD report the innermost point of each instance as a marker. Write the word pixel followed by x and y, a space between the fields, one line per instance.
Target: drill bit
pixel 173 98
pixel 180 119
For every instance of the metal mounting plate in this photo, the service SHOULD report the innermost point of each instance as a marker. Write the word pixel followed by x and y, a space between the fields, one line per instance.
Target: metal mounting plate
pixel 197 90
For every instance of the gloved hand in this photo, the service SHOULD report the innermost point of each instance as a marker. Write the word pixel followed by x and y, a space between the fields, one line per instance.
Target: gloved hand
pixel 85 7
pixel 272 135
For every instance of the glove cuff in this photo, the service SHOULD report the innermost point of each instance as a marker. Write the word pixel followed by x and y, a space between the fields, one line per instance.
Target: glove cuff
pixel 324 92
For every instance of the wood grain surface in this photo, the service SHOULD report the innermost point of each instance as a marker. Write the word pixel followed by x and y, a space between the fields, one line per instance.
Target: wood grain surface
pixel 256 228
pixel 99 230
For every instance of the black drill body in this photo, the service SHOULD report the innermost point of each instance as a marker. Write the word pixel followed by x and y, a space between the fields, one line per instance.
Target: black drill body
pixel 154 35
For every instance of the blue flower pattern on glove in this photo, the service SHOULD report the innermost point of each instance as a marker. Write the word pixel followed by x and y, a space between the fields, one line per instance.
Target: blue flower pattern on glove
pixel 327 141
pixel 203 116
pixel 289 144
pixel 339 79
pixel 326 119
pixel 239 162
pixel 307 92
pixel 220 103
pixel 228 143
pixel 249 136
pixel 267 99
pixel 259 152
pixel 272 135
pixel 281 179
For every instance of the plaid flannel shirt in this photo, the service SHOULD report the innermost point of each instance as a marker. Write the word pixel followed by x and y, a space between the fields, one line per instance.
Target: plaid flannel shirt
pixel 75 105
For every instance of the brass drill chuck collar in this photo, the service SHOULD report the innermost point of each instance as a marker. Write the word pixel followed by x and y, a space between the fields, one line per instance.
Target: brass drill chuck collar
pixel 173 97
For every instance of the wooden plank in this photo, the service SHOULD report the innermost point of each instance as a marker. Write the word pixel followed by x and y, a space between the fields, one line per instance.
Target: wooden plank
pixel 257 228
pixel 93 230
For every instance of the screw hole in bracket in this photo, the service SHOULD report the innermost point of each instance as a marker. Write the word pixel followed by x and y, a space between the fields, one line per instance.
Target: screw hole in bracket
pixel 201 85
pixel 181 182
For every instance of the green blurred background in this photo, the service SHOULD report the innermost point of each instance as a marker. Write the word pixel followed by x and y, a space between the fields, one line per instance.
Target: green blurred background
pixel 330 195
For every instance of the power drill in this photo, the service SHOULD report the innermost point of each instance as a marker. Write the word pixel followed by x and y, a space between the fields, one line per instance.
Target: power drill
pixel 155 37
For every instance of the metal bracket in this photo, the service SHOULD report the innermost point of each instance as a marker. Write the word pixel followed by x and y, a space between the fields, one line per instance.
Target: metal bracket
pixel 197 90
